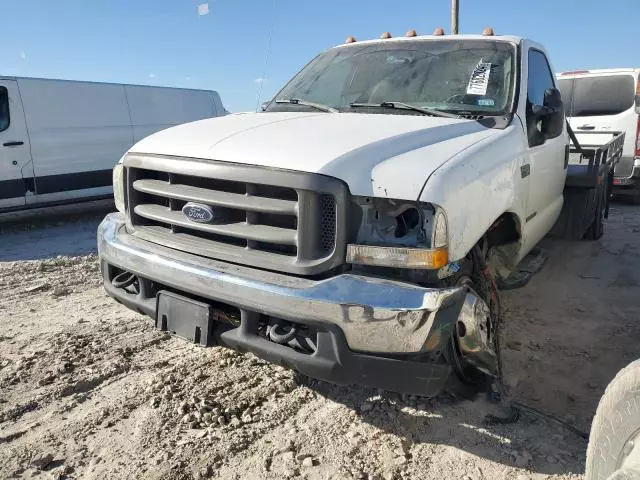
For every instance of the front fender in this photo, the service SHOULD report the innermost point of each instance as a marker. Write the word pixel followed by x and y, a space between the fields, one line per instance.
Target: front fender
pixel 478 185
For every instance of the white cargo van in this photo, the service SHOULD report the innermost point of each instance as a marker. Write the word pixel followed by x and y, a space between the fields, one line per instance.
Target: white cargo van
pixel 608 100
pixel 59 140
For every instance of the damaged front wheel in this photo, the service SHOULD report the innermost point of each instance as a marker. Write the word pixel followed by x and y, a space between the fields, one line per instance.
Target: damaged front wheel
pixel 474 347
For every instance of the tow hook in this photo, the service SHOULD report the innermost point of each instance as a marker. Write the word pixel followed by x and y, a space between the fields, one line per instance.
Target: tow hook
pixel 473 333
pixel 287 333
pixel 125 280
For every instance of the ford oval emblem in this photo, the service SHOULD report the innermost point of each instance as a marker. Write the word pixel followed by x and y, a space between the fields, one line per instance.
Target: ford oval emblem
pixel 196 212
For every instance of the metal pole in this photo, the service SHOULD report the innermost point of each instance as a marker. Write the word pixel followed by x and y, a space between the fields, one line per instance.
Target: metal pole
pixel 454 16
pixel 266 57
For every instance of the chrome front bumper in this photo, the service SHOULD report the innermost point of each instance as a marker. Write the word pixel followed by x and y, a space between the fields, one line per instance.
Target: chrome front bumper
pixel 375 315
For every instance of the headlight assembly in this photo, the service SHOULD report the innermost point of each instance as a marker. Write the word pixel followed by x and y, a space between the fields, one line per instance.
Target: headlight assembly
pixel 400 234
pixel 118 187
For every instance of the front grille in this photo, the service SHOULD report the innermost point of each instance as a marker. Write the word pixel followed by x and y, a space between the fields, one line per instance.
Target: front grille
pixel 327 222
pixel 273 219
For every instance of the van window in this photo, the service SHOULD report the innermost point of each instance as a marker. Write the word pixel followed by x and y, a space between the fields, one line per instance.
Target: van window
pixel 595 96
pixel 4 109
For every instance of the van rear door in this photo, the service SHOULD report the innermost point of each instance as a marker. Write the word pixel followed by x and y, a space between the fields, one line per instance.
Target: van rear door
pixel 603 101
pixel 16 169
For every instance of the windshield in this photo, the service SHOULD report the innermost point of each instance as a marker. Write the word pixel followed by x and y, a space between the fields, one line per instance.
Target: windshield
pixel 472 75
pixel 596 96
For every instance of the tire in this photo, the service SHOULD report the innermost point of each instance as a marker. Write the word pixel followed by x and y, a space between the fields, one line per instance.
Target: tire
pixel 616 422
pixel 596 229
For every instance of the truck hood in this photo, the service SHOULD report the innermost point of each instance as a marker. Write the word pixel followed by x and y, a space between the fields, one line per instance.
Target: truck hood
pixel 375 154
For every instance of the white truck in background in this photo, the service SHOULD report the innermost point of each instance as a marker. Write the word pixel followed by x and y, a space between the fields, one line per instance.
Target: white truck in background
pixel 608 100
pixel 355 229
pixel 59 139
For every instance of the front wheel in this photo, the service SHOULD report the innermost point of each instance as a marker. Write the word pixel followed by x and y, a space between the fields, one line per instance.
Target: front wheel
pixel 614 444
pixel 474 350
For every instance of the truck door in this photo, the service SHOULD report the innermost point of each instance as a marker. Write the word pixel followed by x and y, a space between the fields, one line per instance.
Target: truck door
pixel 546 166
pixel 16 169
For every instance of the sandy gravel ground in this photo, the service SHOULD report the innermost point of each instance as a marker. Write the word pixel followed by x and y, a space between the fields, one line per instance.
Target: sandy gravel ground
pixel 89 390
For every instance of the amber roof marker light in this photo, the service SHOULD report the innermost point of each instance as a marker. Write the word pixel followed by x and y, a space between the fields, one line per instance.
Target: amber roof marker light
pixel 439 31
pixel 488 32
pixel 411 33
pixel 385 36
pixel 350 39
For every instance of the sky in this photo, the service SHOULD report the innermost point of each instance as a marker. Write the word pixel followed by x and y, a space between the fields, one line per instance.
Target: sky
pixel 226 46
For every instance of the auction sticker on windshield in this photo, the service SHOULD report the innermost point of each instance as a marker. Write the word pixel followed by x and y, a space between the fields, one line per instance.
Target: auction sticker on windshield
pixel 479 79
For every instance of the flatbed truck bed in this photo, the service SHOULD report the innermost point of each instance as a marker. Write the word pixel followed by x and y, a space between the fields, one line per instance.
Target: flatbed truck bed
pixel 591 159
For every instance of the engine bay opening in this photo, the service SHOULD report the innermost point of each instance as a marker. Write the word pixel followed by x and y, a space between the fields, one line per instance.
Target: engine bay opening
pixel 407 221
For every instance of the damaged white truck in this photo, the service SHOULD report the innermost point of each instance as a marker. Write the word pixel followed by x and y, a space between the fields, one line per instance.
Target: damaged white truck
pixel 355 229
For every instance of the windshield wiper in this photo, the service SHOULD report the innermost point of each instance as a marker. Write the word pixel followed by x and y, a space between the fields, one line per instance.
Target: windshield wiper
pixel 472 113
pixel 406 106
pixel 317 106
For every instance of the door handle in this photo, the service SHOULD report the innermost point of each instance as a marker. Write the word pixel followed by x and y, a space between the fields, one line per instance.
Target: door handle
pixel 586 127
pixel 12 144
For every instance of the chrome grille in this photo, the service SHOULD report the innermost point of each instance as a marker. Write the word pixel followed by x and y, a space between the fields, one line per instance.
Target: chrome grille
pixel 272 219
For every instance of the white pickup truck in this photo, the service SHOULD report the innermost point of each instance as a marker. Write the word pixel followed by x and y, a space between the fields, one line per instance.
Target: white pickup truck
pixel 355 228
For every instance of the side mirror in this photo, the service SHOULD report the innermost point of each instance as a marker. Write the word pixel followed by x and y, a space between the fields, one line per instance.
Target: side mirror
pixel 264 106
pixel 551 113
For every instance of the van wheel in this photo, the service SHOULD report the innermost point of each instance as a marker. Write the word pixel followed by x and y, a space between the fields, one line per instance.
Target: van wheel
pixel 614 444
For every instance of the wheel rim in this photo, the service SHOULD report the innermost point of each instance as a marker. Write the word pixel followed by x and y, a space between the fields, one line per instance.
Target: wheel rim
pixel 467 372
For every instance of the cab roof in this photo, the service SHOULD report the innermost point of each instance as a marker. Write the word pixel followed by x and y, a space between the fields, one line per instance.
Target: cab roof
pixel 503 38
pixel 597 71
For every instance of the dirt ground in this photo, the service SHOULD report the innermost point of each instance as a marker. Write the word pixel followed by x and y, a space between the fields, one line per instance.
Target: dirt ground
pixel 88 389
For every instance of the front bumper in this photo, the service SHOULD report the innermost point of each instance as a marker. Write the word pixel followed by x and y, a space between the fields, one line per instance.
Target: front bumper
pixel 369 327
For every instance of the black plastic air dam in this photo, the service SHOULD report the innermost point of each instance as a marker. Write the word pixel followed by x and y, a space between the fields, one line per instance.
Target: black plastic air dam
pixel 332 361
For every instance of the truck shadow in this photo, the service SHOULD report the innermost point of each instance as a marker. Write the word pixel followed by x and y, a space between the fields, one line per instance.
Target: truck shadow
pixel 532 443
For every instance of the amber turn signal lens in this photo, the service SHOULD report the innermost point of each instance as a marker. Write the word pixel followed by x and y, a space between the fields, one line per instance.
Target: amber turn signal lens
pixel 422 258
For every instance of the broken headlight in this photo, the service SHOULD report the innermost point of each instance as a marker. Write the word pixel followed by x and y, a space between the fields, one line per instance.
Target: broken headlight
pixel 400 234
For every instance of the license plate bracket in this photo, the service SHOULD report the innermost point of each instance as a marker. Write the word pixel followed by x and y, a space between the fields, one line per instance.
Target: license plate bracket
pixel 185 317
